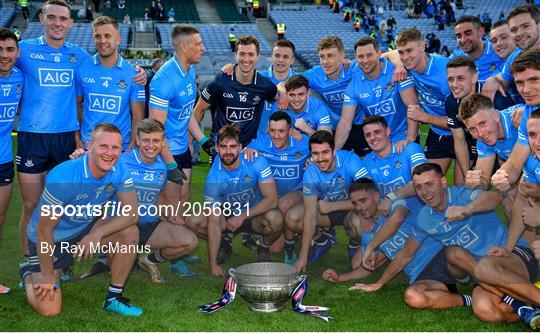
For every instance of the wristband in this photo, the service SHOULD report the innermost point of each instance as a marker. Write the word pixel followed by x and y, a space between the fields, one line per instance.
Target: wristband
pixel 392 196
pixel 203 140
pixel 172 166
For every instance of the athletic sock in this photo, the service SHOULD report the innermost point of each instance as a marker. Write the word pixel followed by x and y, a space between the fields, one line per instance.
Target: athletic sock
pixel 467 300
pixel 260 242
pixel 156 257
pixel 114 292
pixel 516 304
pixel 102 258
pixel 228 237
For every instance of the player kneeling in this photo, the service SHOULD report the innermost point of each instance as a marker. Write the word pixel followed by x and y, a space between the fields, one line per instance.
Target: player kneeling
pixel 57 234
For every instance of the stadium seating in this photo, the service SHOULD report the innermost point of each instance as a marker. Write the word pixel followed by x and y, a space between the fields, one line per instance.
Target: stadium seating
pixel 185 10
pixel 6 16
pixel 228 12
pixel 306 25
pixel 80 34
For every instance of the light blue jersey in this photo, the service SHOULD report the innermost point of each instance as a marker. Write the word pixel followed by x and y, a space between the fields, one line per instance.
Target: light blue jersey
pixel 334 185
pixel 391 247
pixel 107 95
pixel 477 233
pixel 315 114
pixel 379 97
pixel 523 136
pixel 287 164
pixel 237 186
pixel 531 171
pixel 332 92
pixel 174 91
pixel 432 89
pixel 503 147
pixel 488 64
pixel 269 107
pixel 49 104
pixel 71 183
pixel 505 72
pixel 149 180
pixel 395 171
pixel 11 89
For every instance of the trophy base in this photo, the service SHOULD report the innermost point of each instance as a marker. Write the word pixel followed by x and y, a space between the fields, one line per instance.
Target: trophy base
pixel 266 307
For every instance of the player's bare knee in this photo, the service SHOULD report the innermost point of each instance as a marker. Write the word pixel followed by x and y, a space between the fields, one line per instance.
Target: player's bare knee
pixel 48 309
pixel 190 242
pixel 486 311
pixel 486 269
pixel 128 236
pixel 273 221
pixel 415 298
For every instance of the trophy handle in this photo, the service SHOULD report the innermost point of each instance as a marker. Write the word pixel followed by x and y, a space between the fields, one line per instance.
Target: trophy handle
pixel 232 274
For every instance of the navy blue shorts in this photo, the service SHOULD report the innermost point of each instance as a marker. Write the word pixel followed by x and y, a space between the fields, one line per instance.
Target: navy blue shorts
pixel 146 230
pixel 527 256
pixel 337 217
pixel 7 173
pixel 357 142
pixel 439 146
pixel 437 270
pixel 63 254
pixel 40 152
pixel 184 160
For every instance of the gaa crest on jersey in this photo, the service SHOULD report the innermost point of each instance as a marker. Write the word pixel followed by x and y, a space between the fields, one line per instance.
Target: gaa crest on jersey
pixel 73 58
pixel 389 87
pixel 18 89
pixel 247 178
pixel 110 187
pixel 340 179
pixel 122 84
pixel 398 165
pixel 492 67
pixel 256 99
pixel 161 176
pixel 298 155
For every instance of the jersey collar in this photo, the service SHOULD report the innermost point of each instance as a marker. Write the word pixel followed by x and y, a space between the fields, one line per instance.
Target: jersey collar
pixel 429 65
pixel 179 67
pixel 119 63
pixel 341 73
pixel 392 152
pixel 507 125
pixel 42 41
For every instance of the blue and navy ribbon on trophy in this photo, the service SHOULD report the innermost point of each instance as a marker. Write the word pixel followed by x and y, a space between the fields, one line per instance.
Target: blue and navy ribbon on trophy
pixel 313 310
pixel 227 297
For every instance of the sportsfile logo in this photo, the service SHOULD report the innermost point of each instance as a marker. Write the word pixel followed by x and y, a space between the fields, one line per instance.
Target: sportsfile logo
pixel 383 108
pixel 285 172
pixel 7 112
pixel 104 103
pixel 55 77
pixel 237 115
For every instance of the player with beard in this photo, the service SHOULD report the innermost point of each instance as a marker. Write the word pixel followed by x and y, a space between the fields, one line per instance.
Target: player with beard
pixel 247 195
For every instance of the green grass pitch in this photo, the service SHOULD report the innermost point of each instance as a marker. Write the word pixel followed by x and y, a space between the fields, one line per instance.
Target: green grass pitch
pixel 173 306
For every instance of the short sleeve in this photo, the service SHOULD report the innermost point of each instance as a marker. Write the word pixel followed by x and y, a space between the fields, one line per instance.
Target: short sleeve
pixel 160 93
pixel 264 172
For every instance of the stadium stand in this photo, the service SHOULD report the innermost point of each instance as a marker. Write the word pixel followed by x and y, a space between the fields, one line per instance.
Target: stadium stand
pixel 185 10
pixel 228 12
pixel 7 14
pixel 80 34
pixel 305 36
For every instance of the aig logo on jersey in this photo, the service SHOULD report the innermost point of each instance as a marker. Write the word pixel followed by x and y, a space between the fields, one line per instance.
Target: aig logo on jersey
pixel 237 115
pixel 104 103
pixel 383 108
pixel 285 172
pixel 7 112
pixel 334 97
pixel 55 77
